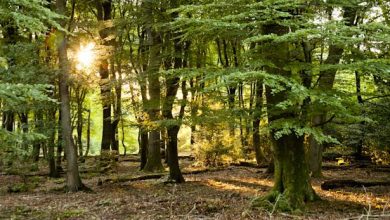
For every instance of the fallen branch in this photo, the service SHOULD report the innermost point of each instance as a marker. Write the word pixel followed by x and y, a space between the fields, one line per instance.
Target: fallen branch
pixel 248 164
pixel 334 184
pixel 136 178
pixel 157 175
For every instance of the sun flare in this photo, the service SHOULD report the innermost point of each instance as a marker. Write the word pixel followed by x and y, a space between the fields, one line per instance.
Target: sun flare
pixel 85 56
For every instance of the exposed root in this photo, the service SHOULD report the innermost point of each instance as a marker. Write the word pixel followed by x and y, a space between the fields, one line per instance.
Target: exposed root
pixel 284 202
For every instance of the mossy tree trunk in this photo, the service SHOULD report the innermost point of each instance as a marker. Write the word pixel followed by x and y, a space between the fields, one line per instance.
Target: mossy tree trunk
pixel 291 176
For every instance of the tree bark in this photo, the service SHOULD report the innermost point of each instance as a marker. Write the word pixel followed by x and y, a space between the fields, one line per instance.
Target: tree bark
pixel 51 118
pixel 88 132
pixel 104 14
pixel 359 145
pixel 153 162
pixel 73 181
pixel 291 176
pixel 39 128
pixel 59 143
pixel 256 123
pixel 325 82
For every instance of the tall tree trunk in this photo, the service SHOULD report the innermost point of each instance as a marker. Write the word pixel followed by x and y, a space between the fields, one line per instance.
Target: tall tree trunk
pixel 59 143
pixel 10 38
pixel 73 181
pixel 51 118
pixel 359 145
pixel 154 154
pixel 39 128
pixel 325 82
pixel 88 133
pixel 80 96
pixel 291 176
pixel 256 122
pixel 104 14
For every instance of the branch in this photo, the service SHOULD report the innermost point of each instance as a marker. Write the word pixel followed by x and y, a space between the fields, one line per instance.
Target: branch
pixel 377 97
pixel 325 122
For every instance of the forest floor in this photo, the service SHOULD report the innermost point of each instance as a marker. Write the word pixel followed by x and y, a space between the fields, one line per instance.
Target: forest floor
pixel 221 193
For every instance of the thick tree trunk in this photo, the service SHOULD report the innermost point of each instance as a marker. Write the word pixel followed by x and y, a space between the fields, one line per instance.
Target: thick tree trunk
pixel 172 85
pixel 143 146
pixel 175 174
pixel 153 163
pixel 73 178
pixel 291 174
pixel 154 154
pixel 105 92
pixel 104 14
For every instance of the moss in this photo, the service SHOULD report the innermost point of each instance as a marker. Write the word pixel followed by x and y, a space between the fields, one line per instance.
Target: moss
pixel 72 213
pixel 273 201
pixel 19 187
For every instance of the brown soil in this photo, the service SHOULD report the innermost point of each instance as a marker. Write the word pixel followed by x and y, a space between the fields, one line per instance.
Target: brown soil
pixel 217 194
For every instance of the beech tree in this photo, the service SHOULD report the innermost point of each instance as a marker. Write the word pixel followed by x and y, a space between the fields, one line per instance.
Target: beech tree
pixel 73 180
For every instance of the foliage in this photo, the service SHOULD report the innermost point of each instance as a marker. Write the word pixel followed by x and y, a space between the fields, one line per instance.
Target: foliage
pixel 217 147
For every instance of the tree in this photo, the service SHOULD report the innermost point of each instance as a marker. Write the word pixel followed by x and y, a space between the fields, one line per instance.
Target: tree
pixel 326 82
pixel 153 162
pixel 104 14
pixel 73 181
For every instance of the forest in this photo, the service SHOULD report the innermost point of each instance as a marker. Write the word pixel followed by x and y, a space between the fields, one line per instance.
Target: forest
pixel 195 109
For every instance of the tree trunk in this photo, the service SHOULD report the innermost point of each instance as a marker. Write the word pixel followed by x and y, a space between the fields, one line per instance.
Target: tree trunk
pixel 24 122
pixel 51 118
pixel 8 120
pixel 88 133
pixel 154 154
pixel 59 143
pixel 143 146
pixel 291 176
pixel 359 145
pixel 256 123
pixel 172 85
pixel 38 128
pixel 104 14
pixel 80 96
pixel 175 174
pixel 325 82
pixel 73 178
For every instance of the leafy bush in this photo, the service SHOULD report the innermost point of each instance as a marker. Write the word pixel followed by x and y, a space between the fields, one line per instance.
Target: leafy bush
pixel 216 147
